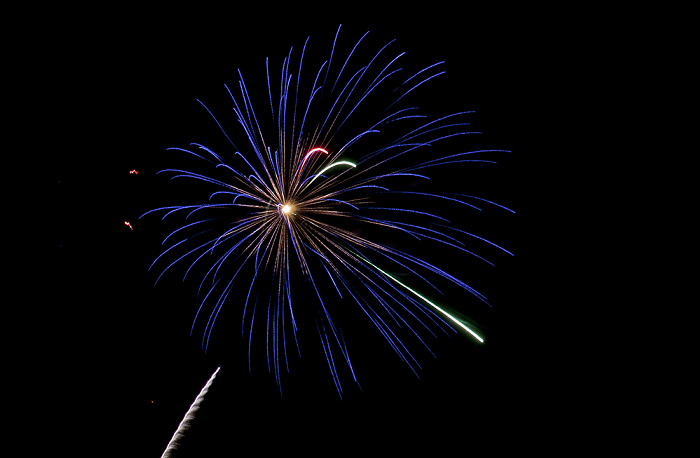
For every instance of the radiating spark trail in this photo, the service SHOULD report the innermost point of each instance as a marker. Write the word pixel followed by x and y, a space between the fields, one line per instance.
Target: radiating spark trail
pixel 303 161
pixel 189 416
pixel 436 307
pixel 330 166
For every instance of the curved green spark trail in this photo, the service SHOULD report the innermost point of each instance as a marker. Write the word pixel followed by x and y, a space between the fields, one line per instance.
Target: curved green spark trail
pixel 332 165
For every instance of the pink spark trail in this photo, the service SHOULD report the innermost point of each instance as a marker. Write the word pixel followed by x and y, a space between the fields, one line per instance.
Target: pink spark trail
pixel 303 161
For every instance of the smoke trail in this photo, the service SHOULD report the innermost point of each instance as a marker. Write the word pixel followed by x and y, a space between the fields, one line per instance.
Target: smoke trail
pixel 185 423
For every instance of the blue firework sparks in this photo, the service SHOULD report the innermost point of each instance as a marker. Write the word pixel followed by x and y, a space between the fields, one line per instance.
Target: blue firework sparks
pixel 316 196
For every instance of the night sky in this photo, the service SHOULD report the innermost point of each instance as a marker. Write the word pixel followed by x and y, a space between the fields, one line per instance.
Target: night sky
pixel 119 356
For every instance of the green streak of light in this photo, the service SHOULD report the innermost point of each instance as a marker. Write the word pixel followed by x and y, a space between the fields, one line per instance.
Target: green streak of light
pixel 436 307
pixel 332 165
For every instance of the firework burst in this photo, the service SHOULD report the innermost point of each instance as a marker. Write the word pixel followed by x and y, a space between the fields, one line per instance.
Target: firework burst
pixel 316 196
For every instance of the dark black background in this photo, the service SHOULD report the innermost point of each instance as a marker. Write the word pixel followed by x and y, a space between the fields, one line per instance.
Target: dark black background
pixel 122 87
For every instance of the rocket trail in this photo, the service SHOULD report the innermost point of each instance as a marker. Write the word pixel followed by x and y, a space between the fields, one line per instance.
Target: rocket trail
pixel 189 416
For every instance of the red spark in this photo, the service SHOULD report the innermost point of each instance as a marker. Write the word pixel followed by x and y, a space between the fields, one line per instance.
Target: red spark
pixel 126 223
pixel 134 172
